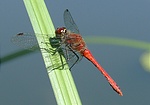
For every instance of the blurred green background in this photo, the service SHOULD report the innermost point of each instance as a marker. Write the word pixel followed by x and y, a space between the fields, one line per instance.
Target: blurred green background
pixel 116 32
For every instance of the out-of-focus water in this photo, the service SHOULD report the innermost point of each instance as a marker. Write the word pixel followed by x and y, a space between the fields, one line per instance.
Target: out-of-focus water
pixel 24 81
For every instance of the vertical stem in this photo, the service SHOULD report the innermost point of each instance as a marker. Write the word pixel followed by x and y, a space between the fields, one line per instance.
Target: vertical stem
pixel 62 82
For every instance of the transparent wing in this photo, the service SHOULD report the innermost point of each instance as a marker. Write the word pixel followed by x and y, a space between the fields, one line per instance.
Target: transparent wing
pixel 28 41
pixel 72 57
pixel 69 22
pixel 25 40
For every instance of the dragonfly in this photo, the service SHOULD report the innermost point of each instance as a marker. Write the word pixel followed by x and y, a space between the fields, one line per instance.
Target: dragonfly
pixel 70 40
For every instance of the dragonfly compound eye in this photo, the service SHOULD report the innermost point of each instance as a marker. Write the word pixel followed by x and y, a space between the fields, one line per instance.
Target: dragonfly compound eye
pixel 61 30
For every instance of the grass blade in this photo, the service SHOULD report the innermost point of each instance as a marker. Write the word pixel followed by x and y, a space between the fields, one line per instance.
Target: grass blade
pixel 61 80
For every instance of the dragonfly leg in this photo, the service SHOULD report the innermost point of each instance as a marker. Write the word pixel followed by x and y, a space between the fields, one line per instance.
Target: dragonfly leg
pixel 53 51
pixel 67 54
pixel 49 50
pixel 62 61
pixel 60 67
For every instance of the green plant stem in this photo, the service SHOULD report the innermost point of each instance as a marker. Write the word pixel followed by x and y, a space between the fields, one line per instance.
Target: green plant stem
pixel 15 55
pixel 118 41
pixel 61 80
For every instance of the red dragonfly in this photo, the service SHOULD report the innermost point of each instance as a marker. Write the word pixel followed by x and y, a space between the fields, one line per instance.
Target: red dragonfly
pixel 72 39
pixel 72 44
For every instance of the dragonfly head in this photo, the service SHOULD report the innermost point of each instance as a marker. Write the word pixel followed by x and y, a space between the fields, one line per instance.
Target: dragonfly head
pixel 60 31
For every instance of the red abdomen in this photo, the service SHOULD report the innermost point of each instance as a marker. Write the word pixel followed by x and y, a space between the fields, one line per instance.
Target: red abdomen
pixel 87 54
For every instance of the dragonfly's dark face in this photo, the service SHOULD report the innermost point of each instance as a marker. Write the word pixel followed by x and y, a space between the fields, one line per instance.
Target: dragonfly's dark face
pixel 60 31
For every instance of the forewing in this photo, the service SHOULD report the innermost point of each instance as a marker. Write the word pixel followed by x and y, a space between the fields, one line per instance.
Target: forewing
pixel 69 22
pixel 25 40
